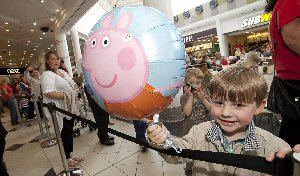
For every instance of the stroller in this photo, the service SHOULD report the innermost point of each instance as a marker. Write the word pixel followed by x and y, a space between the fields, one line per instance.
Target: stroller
pixel 85 112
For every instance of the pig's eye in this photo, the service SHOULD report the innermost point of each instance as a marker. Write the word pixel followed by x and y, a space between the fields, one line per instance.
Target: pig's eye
pixel 93 42
pixel 127 37
pixel 105 41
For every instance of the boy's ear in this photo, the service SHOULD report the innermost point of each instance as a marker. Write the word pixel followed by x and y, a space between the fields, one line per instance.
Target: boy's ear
pixel 261 107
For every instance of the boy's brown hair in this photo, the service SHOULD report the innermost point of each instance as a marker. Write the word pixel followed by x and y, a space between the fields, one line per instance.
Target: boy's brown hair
pixel 239 84
pixel 193 73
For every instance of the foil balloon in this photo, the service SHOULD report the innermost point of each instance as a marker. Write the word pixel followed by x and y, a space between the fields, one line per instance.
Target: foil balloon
pixel 134 62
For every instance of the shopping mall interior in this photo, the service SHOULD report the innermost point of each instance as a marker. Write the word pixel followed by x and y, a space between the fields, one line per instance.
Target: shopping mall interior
pixel 212 35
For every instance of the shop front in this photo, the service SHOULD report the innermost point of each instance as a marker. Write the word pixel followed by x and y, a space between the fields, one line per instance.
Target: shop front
pixel 247 31
pixel 202 43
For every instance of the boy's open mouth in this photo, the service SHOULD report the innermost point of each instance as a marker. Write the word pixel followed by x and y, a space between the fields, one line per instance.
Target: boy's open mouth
pixel 228 121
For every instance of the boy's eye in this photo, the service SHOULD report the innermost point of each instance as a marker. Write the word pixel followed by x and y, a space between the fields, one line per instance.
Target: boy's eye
pixel 218 103
pixel 239 105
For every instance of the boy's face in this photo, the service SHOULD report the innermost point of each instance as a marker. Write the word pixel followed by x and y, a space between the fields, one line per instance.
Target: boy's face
pixel 196 83
pixel 234 117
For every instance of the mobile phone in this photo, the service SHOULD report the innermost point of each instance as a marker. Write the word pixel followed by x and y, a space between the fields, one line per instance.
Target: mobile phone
pixel 192 87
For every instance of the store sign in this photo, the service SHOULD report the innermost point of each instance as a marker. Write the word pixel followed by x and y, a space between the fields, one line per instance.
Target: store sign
pixel 256 20
pixel 10 71
pixel 188 39
pixel 200 36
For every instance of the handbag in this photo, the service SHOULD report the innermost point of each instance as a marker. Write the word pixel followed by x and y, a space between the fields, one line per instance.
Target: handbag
pixel 284 94
pixel 284 97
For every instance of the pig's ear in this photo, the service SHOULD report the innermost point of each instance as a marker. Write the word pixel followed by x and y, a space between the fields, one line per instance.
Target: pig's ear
pixel 106 23
pixel 124 21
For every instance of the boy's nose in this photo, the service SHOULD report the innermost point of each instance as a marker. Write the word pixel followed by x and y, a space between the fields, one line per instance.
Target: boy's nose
pixel 226 111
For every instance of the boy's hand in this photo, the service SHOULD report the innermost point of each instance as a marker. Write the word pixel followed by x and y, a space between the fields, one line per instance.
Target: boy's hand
pixel 201 94
pixel 188 90
pixel 297 148
pixel 156 134
pixel 280 154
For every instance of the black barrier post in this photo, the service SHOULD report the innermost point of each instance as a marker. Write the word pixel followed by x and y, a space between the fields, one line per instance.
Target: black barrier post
pixel 66 170
pixel 42 135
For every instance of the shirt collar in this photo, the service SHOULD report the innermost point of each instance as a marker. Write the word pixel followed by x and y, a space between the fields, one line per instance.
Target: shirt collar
pixel 251 143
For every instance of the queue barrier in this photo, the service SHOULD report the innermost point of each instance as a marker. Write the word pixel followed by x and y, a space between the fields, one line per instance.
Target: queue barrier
pixel 49 140
pixel 279 167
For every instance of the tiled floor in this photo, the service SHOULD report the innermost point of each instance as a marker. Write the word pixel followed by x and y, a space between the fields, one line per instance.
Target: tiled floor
pixel 25 157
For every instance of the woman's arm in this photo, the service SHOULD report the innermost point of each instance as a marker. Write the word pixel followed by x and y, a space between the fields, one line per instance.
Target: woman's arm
pixel 4 91
pixel 27 75
pixel 291 35
pixel 54 95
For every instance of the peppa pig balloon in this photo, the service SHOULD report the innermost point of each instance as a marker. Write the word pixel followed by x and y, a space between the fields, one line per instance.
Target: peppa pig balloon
pixel 134 62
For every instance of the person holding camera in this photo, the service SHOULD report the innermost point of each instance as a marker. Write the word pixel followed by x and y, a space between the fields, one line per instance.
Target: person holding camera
pixel 194 104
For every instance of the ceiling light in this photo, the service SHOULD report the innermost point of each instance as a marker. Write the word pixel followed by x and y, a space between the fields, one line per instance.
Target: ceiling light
pixel 7 30
pixel 9 54
pixel 57 10
pixel 36 46
pixel 247 32
pixel 31 54
pixel 52 19
pixel 8 41
pixel 34 23
pixel 34 49
pixel 24 51
pixel 8 45
pixel 23 58
pixel 9 63
pixel 44 33
pixel 6 22
pixel 48 48
pixel 41 38
pixel 55 49
pixel 42 1
pixel 9 60
pixel 28 41
pixel 21 63
pixel 51 45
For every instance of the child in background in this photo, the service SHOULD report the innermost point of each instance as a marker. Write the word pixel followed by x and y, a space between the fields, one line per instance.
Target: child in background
pixel 237 94
pixel 193 108
pixel 24 106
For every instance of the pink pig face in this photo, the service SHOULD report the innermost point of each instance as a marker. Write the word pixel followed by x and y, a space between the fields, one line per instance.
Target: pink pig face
pixel 116 61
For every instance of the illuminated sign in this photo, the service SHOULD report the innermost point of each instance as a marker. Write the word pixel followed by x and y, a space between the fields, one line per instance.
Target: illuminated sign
pixel 9 71
pixel 256 20
pixel 200 36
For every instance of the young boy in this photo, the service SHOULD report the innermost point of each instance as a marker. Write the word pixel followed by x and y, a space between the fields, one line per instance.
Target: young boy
pixel 192 106
pixel 237 94
pixel 191 103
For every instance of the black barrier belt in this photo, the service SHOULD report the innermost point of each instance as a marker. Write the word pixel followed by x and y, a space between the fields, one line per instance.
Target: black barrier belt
pixel 255 163
pixel 25 96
